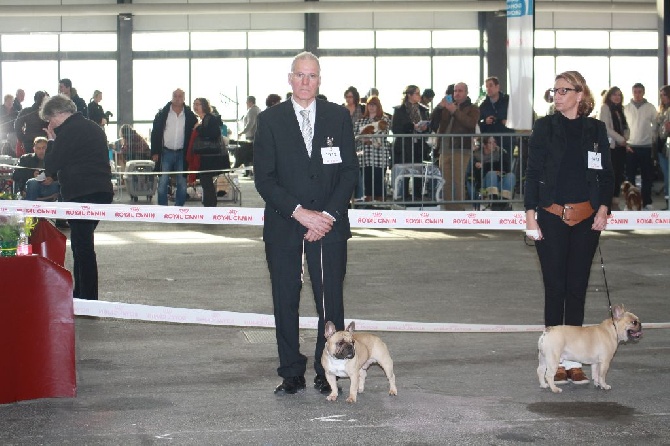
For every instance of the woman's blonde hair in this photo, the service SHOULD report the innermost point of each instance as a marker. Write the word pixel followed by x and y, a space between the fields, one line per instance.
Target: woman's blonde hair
pixel 578 82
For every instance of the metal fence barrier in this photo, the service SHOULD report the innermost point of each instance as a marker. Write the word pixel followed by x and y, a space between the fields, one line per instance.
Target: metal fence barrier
pixel 451 172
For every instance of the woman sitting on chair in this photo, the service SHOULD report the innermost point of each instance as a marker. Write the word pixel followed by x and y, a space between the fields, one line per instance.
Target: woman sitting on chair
pixel 489 171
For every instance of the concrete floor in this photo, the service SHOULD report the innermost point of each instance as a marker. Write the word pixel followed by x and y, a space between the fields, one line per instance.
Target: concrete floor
pixel 158 383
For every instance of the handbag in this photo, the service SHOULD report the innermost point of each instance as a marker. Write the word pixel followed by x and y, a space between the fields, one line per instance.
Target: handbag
pixel 202 146
pixel 205 146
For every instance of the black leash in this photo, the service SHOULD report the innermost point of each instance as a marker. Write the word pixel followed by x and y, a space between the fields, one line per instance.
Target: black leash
pixel 607 288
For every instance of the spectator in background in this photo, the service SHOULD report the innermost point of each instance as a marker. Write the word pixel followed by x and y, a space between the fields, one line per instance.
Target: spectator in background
pixel 170 136
pixel 79 157
pixel 7 119
pixel 352 102
pixel 641 117
pixel 208 127
pixel 133 145
pixel 29 125
pixel 373 152
pixel 65 87
pixel 37 187
pixel 272 99
pixel 663 132
pixel 95 111
pixel 459 116
pixel 410 117
pixel 611 113
pixel 493 110
pixel 489 170
pixel 427 98
pixel 18 101
pixel 245 153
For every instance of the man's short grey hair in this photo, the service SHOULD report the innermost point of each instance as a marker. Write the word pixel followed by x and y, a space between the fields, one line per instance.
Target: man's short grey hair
pixel 305 55
pixel 55 105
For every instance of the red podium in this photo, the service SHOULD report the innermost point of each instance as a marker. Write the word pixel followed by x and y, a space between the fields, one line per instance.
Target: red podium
pixel 37 348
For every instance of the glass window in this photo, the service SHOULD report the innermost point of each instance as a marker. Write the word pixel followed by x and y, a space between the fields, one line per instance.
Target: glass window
pixel 582 39
pixel 456 38
pixel 153 89
pixel 88 42
pixel 160 41
pixel 445 73
pixel 276 40
pixel 15 43
pixel 394 74
pixel 634 40
pixel 545 73
pixel 30 76
pixel 545 39
pixel 218 40
pixel 224 83
pixel 338 73
pixel 104 80
pixel 346 39
pixel 403 39
pixel 269 76
pixel 626 71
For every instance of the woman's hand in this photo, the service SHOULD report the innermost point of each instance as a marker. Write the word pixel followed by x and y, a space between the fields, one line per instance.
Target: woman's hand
pixel 533 231
pixel 600 220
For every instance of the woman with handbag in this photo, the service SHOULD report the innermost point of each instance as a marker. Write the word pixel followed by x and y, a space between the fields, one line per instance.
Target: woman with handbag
pixel 206 151
pixel 663 132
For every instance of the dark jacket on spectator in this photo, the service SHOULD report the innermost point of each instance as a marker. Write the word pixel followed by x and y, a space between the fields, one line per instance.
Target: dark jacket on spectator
pixel 80 157
pixel 406 149
pixel 497 109
pixel 29 126
pixel 79 102
pixel 95 112
pixel 158 128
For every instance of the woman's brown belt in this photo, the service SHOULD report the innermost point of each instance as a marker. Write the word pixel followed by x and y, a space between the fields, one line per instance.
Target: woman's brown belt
pixel 571 213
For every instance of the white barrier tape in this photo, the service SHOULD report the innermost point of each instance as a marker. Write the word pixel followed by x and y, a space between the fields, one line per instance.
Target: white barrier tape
pixel 138 312
pixel 359 218
pixel 137 172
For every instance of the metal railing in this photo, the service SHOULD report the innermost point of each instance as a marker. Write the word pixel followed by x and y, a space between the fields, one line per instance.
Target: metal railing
pixel 453 172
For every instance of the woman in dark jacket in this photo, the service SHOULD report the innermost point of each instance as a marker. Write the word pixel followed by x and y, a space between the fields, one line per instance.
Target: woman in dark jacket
pixel 208 127
pixel 408 118
pixel 569 189
pixel 95 111
pixel 78 156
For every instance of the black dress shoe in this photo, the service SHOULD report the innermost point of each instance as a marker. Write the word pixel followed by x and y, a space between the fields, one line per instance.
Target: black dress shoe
pixel 321 384
pixel 291 385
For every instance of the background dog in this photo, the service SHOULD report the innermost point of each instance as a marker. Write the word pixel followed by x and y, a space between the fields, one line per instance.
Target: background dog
pixel 632 196
pixel 350 354
pixel 593 345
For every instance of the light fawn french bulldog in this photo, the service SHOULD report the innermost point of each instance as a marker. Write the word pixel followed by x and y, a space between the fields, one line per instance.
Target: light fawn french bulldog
pixel 593 345
pixel 350 354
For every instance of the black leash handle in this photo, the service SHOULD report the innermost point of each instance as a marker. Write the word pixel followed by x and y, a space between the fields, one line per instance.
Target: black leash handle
pixel 607 288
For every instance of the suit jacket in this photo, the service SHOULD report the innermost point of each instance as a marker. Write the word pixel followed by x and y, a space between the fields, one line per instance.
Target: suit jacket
pixel 285 175
pixel 547 145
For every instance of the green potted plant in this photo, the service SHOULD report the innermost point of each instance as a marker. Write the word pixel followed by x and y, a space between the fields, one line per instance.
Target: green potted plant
pixel 11 227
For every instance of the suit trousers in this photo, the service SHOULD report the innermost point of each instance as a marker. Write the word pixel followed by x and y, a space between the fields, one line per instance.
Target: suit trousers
pixel 566 254
pixel 326 263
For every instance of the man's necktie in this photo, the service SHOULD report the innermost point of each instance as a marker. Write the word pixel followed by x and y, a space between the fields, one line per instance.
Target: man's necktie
pixel 307 131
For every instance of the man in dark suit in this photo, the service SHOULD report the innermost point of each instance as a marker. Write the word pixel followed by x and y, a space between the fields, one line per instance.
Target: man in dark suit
pixel 305 170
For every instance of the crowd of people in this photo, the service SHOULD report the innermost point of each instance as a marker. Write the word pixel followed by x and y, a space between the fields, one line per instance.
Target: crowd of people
pixel 474 169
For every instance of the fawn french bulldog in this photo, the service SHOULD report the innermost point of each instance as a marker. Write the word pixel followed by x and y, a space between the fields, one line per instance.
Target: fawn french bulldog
pixel 593 345
pixel 350 354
